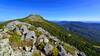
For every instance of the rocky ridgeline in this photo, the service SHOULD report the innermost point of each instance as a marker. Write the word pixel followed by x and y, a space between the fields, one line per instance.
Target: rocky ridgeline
pixel 23 39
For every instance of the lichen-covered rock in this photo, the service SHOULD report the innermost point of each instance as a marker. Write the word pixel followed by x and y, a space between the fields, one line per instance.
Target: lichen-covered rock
pixel 46 40
pixel 42 30
pixel 42 54
pixel 82 54
pixel 12 25
pixel 24 29
pixel 17 53
pixel 48 49
pixel 4 47
pixel 4 35
pixel 27 48
pixel 30 35
pixel 43 38
pixel 27 54
pixel 6 29
pixel 62 51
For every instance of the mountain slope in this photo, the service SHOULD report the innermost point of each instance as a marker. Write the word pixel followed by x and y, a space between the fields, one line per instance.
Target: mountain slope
pixel 72 43
pixel 89 30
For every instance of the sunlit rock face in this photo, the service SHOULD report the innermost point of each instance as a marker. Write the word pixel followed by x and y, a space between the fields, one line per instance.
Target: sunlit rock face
pixel 17 40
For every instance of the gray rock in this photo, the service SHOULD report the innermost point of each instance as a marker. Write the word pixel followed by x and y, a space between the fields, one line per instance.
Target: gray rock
pixel 24 29
pixel 30 35
pixel 79 53
pixel 63 52
pixel 27 54
pixel 12 25
pixel 43 38
pixel 48 49
pixel 4 47
pixel 27 48
pixel 42 30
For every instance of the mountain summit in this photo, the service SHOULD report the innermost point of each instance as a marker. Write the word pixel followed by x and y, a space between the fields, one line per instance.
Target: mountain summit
pixel 35 17
pixel 35 36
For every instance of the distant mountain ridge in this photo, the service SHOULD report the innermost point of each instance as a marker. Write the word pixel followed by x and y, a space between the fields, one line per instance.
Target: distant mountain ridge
pixel 90 30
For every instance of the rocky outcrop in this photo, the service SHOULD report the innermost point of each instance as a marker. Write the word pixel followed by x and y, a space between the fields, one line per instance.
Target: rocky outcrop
pixel 17 40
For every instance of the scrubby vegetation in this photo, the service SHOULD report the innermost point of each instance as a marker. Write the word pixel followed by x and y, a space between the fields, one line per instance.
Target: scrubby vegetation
pixel 69 48
pixel 55 51
pixel 36 53
pixel 41 45
pixel 15 40
pixel 1 26
pixel 27 43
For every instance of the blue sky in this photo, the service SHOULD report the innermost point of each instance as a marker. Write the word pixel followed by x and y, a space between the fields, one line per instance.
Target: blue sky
pixel 59 10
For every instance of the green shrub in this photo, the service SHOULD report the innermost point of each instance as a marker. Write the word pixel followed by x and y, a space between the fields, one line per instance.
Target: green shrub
pixel 69 48
pixel 41 46
pixel 32 28
pixel 1 26
pixel 15 40
pixel 19 25
pixel 38 33
pixel 36 53
pixel 55 51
